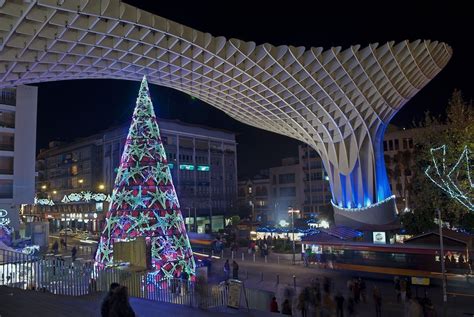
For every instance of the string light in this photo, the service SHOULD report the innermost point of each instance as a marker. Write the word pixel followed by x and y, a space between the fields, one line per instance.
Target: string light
pixel 364 208
pixel 144 201
pixel 444 179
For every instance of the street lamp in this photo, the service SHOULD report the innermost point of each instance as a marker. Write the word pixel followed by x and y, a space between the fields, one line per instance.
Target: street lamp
pixel 101 186
pixel 443 274
pixel 292 212
pixel 253 209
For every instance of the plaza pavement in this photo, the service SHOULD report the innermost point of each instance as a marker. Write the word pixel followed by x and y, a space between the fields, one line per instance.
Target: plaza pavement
pixel 18 303
pixel 251 274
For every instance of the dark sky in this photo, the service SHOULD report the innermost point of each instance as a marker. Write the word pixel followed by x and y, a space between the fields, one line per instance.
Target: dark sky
pixel 71 109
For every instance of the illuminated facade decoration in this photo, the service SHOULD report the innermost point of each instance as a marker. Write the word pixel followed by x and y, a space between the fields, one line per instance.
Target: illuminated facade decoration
pixel 86 197
pixel 43 201
pixel 144 200
pixel 457 181
pixel 5 229
pixel 338 101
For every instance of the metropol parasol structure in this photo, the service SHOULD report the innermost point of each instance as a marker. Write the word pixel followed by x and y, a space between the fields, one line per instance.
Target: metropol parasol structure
pixel 338 101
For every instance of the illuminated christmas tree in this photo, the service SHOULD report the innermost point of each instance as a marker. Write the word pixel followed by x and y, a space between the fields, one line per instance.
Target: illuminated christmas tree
pixel 144 200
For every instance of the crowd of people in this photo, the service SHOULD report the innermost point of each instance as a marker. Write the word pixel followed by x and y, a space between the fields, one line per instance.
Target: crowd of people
pixel 319 299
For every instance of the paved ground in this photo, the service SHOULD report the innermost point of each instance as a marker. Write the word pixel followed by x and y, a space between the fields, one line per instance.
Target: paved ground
pixel 251 273
pixel 276 273
pixel 16 302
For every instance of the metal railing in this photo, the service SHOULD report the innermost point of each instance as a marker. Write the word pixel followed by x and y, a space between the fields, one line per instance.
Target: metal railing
pixel 61 276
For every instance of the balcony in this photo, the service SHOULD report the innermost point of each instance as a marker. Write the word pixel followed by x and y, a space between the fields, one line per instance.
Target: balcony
pixel 8 97
pixel 6 147
pixel 7 120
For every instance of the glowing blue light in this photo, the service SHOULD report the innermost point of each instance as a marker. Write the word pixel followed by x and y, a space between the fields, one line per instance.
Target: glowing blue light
pixel 368 202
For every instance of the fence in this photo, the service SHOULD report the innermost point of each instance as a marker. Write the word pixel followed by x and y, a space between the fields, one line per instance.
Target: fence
pixel 52 274
pixel 61 276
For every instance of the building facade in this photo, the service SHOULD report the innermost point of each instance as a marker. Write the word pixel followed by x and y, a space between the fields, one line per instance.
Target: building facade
pixel 316 187
pixel 17 149
pixel 286 190
pixel 398 146
pixel 299 183
pixel 203 163
pixel 254 197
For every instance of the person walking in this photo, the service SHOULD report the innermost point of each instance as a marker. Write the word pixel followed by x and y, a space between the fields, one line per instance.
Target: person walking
pixel 356 290
pixel 363 288
pixel 55 247
pixel 226 269
pixel 378 302
pixel 105 306
pixel 286 308
pixel 351 306
pixel 73 253
pixel 235 270
pixel 119 303
pixel 397 288
pixel 339 304
pixel 274 305
pixel 403 289
pixel 301 306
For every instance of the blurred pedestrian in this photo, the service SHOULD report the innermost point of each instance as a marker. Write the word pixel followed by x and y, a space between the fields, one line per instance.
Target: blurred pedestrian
pixel 274 306
pixel 286 308
pixel 55 247
pixel 351 306
pixel 73 253
pixel 105 306
pixel 339 304
pixel 378 301
pixel 226 269
pixel 397 288
pixel 362 287
pixel 119 303
pixel 235 270
pixel 403 289
pixel 301 306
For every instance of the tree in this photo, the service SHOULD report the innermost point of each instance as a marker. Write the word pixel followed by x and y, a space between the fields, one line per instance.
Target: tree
pixel 144 200
pixel 456 132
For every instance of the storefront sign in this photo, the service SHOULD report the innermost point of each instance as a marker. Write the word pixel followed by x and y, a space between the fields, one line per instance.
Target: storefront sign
pixel 235 289
pixel 424 281
pixel 379 237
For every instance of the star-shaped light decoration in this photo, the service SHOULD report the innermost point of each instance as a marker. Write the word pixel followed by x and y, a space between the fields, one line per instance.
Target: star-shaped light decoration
pixel 158 196
pixel 121 196
pixel 138 200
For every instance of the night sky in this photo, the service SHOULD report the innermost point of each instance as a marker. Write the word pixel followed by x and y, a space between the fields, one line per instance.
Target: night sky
pixel 71 109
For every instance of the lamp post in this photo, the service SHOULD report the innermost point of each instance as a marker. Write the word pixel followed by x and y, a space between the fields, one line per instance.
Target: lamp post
pixel 293 211
pixel 253 209
pixel 189 219
pixel 445 296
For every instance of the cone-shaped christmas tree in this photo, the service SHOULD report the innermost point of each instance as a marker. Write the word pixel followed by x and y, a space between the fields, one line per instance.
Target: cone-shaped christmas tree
pixel 144 201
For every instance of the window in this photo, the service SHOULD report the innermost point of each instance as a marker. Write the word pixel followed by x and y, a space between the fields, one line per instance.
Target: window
pixel 250 189
pixel 288 191
pixel 396 145
pixel 385 146
pixel 390 145
pixel 286 178
pixel 405 144
pixel 410 143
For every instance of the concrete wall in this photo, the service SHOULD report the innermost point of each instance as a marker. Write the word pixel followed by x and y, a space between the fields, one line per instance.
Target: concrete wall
pixel 25 145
